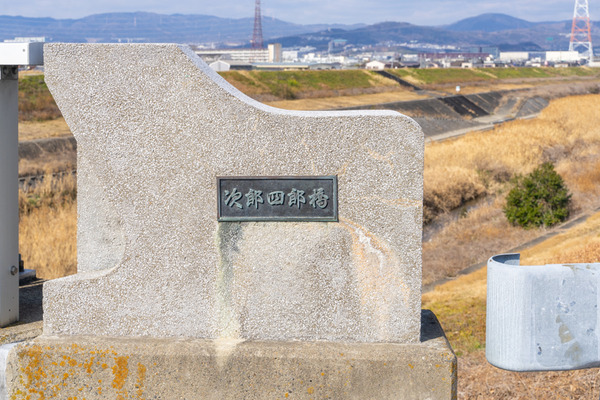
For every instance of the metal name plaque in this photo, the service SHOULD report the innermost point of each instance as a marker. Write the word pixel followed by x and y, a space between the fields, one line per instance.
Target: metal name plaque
pixel 280 198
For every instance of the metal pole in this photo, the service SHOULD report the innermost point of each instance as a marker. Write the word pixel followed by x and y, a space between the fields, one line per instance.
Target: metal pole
pixel 11 56
pixel 9 205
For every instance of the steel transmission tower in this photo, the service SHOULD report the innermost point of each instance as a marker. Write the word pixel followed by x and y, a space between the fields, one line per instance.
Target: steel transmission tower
pixel 581 34
pixel 257 37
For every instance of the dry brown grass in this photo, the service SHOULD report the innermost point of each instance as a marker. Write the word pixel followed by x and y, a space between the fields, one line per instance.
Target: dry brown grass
pixel 48 227
pixel 460 307
pixel 327 103
pixel 470 239
pixel 567 127
pixel 579 244
pixel 567 133
pixel 480 380
pixel 30 130
pixel 35 101
pixel 480 164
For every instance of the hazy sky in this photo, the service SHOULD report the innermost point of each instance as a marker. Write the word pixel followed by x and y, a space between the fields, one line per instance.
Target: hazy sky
pixel 420 12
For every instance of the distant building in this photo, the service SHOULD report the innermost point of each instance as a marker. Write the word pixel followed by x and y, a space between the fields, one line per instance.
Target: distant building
pixel 559 56
pixel 244 55
pixel 220 66
pixel 493 51
pixel 289 55
pixel 33 39
pixel 514 56
pixel 375 65
pixel 275 53
pixel 336 44
pixel 280 66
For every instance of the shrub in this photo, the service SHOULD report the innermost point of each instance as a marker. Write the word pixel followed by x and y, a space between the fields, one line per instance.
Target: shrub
pixel 540 198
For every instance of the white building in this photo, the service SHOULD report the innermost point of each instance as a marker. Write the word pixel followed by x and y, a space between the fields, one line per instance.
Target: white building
pixel 289 55
pixel 220 66
pixel 275 53
pixel 558 56
pixel 514 56
pixel 245 55
pixel 33 39
pixel 375 65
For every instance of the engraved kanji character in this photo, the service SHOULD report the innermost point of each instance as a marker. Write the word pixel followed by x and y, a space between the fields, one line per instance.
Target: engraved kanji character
pixel 232 197
pixel 254 197
pixel 296 197
pixel 276 198
pixel 318 198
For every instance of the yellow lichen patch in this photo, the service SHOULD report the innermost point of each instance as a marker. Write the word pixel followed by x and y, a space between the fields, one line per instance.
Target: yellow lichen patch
pixel 33 370
pixel 88 365
pixel 141 371
pixel 310 390
pixel 120 372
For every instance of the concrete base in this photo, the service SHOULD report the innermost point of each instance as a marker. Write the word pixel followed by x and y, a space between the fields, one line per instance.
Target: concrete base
pixel 102 368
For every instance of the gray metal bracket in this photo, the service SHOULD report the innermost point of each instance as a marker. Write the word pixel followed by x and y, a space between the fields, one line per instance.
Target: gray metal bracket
pixel 542 317
pixel 9 72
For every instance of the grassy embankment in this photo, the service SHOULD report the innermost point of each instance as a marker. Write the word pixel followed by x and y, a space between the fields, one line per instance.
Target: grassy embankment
pixel 567 133
pixel 473 167
pixel 39 116
pixel 553 82
pixel 457 75
pixel 480 165
pixel 287 85
pixel 317 90
pixel 48 212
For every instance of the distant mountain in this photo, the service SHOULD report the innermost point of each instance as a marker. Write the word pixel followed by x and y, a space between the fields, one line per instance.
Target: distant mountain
pixel 489 23
pixel 525 35
pixel 375 34
pixel 484 30
pixel 151 27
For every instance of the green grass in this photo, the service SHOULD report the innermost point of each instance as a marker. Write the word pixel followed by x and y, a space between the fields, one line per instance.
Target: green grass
pixel 459 75
pixel 286 84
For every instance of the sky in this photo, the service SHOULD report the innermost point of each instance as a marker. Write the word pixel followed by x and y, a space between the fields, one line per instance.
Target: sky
pixel 418 12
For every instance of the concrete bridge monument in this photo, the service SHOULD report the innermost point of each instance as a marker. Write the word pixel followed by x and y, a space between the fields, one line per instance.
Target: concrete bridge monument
pixel 229 250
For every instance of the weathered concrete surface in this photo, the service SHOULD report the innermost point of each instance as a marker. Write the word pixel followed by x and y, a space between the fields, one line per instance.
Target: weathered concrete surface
pixel 155 126
pixel 111 368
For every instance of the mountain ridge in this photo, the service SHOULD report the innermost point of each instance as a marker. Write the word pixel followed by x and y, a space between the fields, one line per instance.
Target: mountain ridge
pixel 482 30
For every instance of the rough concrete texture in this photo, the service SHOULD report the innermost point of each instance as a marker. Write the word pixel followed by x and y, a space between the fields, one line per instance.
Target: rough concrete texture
pixel 122 368
pixel 155 127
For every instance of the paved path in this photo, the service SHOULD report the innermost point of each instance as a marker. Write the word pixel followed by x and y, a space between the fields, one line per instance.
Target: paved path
pixel 488 122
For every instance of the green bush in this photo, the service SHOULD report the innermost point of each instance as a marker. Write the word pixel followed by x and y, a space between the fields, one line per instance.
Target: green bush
pixel 540 198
